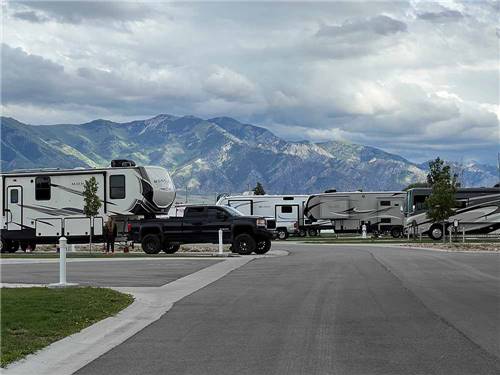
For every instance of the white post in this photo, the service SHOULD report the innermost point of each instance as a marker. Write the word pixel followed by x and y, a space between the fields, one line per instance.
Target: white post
pixel 463 234
pixel 363 231
pixel 221 249
pixel 63 244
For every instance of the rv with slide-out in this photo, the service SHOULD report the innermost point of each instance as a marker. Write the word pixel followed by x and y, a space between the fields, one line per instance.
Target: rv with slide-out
pixel 348 211
pixel 39 206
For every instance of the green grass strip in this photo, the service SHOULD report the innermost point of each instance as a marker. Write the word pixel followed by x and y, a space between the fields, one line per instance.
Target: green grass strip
pixel 32 318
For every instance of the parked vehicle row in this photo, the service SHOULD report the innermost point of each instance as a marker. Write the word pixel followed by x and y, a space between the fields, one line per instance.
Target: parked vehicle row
pixel 343 212
pixel 39 206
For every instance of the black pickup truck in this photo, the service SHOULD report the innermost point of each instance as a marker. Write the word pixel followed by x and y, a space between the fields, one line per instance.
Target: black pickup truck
pixel 201 224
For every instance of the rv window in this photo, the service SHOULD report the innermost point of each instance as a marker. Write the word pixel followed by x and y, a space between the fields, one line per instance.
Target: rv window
pixel 419 202
pixel 117 186
pixel 385 203
pixel 286 209
pixel 42 188
pixel 385 220
pixel 288 198
pixel 14 196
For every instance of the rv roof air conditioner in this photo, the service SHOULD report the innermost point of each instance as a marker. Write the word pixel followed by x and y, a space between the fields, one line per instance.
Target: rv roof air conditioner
pixel 121 163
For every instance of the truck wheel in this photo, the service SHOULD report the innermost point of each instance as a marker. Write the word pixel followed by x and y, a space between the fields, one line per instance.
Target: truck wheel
pixel 302 233
pixel 13 248
pixel 24 246
pixel 313 232
pixel 263 247
pixel 151 244
pixel 436 232
pixel 6 245
pixel 396 232
pixel 244 244
pixel 171 248
pixel 32 245
pixel 282 234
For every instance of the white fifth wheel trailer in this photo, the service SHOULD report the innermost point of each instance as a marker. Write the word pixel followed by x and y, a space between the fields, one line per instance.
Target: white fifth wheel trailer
pixel 39 206
pixel 287 210
pixel 348 211
pixel 477 212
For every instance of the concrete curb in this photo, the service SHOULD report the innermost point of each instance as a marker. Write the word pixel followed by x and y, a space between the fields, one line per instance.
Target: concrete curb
pixel 395 246
pixel 73 352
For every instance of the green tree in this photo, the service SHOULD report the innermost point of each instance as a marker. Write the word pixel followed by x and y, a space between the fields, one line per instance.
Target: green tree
pixel 92 203
pixel 441 202
pixel 259 189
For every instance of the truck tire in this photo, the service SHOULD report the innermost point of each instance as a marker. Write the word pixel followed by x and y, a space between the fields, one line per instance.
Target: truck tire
pixel 396 232
pixel 244 244
pixel 151 244
pixel 282 234
pixel 6 244
pixel 302 233
pixel 313 232
pixel 436 232
pixel 24 246
pixel 13 247
pixel 263 247
pixel 171 248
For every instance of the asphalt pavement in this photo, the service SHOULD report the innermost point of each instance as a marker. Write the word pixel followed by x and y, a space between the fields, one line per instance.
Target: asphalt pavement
pixel 118 272
pixel 329 310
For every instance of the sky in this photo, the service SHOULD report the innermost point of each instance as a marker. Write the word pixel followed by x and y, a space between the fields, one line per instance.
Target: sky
pixel 416 78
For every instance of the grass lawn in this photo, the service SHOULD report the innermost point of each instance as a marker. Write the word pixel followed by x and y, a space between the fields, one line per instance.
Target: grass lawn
pixel 32 318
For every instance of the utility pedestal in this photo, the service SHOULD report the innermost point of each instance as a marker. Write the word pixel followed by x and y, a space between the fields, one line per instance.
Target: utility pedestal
pixel 63 246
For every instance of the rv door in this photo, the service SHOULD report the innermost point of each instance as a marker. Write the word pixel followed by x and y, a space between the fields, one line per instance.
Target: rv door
pixel 14 214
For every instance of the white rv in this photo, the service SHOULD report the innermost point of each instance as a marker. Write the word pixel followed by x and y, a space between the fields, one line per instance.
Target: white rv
pixel 287 210
pixel 477 212
pixel 348 211
pixel 39 206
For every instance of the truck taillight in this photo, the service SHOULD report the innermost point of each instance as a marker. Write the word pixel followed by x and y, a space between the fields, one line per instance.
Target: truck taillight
pixel 129 227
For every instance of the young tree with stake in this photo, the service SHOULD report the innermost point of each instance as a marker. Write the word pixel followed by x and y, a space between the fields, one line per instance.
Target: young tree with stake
pixel 441 202
pixel 92 203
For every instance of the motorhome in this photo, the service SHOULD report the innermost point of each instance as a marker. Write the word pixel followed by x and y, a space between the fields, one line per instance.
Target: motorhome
pixel 349 211
pixel 287 210
pixel 477 212
pixel 39 206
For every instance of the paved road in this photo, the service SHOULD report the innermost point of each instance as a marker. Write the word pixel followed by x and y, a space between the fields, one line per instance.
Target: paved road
pixel 329 310
pixel 119 272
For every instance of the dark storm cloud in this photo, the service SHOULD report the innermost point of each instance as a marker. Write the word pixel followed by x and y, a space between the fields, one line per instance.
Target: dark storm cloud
pixel 77 11
pixel 446 15
pixel 30 79
pixel 381 25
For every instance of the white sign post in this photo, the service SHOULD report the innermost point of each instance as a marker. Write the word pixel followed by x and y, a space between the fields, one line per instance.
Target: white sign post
pixel 221 245
pixel 63 244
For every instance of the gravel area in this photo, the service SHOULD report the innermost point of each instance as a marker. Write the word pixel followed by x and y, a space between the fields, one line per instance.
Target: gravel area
pixel 485 246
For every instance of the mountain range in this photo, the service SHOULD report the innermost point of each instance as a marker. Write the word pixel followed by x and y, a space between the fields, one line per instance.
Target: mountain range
pixel 218 155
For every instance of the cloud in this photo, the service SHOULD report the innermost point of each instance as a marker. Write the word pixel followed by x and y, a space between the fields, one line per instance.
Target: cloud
pixel 380 25
pixel 30 16
pixel 443 16
pixel 76 12
pixel 397 75
pixel 229 85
